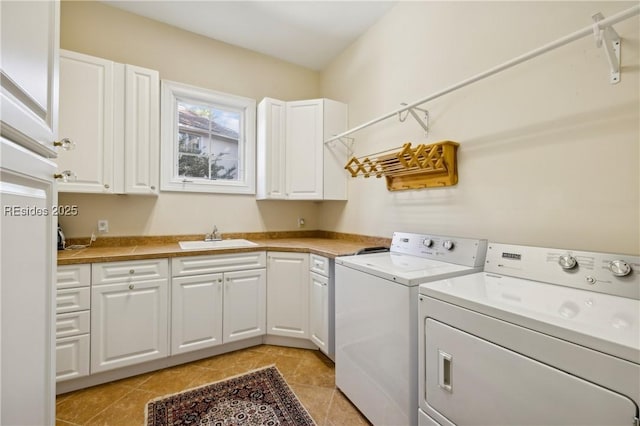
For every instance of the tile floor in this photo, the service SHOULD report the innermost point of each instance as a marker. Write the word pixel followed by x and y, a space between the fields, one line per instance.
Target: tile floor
pixel 310 374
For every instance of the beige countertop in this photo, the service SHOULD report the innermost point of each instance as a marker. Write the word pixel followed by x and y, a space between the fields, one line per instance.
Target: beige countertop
pixel 321 243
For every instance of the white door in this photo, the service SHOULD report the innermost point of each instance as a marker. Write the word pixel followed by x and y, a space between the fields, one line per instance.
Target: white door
pixel 271 135
pixel 288 294
pixel 28 247
pixel 473 381
pixel 304 150
pixel 142 130
pixel 29 65
pixel 244 304
pixel 319 310
pixel 87 102
pixel 128 323
pixel 196 312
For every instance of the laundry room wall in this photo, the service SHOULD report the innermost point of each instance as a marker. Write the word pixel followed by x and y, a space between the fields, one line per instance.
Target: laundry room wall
pixel 548 150
pixel 97 29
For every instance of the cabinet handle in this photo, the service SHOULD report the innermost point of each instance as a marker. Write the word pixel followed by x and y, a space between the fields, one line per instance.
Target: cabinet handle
pixel 131 286
pixel 153 188
pixel 65 176
pixel 106 185
pixel 219 280
pixel 66 144
pixel 131 272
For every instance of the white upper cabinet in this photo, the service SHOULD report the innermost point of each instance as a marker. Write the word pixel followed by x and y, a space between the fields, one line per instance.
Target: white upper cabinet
pixel 29 71
pixel 111 112
pixel 293 161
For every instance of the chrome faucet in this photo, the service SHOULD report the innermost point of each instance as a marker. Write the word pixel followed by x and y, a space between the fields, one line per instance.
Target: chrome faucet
pixel 215 235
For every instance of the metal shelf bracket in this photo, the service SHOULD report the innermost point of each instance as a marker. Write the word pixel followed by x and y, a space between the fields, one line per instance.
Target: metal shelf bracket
pixel 424 123
pixel 609 39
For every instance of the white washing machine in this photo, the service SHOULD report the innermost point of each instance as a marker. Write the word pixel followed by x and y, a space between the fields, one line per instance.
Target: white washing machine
pixel 541 337
pixel 376 325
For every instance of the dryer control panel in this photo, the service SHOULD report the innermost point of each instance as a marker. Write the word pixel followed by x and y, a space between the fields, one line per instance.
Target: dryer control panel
pixel 617 274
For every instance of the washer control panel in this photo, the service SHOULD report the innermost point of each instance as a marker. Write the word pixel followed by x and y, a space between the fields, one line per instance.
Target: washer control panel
pixel 617 274
pixel 461 251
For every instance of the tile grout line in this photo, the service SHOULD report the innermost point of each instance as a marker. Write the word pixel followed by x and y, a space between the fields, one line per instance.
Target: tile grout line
pixel 109 406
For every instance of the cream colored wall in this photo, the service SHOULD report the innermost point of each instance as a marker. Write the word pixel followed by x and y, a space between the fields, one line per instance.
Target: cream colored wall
pixel 99 30
pixel 549 150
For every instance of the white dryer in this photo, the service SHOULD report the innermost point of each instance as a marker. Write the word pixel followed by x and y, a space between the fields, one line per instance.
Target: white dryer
pixel 541 337
pixel 376 325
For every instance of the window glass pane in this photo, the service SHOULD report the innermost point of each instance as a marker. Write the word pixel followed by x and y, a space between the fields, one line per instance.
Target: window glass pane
pixel 208 142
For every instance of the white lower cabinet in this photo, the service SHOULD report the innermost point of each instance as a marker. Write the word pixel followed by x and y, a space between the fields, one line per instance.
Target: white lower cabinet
pixel 129 319
pixel 73 303
pixel 196 312
pixel 288 294
pixel 245 304
pixel 217 299
pixel 319 310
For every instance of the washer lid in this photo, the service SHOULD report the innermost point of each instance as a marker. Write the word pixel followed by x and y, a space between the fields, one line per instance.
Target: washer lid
pixel 603 322
pixel 403 268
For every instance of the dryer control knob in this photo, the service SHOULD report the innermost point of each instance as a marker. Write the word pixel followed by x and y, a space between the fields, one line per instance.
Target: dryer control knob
pixel 448 244
pixel 619 268
pixel 427 242
pixel 567 261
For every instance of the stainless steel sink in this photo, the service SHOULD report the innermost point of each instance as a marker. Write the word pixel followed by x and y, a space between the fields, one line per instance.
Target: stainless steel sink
pixel 220 244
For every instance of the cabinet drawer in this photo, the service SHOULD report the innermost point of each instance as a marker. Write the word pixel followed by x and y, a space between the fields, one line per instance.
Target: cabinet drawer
pixel 72 357
pixel 73 299
pixel 72 324
pixel 118 272
pixel 196 265
pixel 319 264
pixel 69 276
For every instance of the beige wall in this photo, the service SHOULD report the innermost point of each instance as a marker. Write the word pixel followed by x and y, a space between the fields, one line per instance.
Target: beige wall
pixel 103 31
pixel 549 150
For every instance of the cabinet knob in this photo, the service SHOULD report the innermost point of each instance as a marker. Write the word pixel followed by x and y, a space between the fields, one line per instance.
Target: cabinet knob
pixel 65 176
pixel 153 188
pixel 131 271
pixel 66 144
pixel 131 286
pixel 219 280
pixel 106 185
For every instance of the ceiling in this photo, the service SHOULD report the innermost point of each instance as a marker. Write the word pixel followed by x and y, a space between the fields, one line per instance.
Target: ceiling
pixel 308 33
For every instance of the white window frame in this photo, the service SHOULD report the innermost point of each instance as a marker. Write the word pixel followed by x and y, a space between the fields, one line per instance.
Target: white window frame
pixel 173 91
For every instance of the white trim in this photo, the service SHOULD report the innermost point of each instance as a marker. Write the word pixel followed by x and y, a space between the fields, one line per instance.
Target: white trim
pixel 246 184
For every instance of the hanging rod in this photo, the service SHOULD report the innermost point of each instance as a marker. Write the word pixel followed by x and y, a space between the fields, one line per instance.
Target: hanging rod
pixel 602 24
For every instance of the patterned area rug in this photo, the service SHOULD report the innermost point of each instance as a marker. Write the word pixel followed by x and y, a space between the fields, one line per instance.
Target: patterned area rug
pixel 260 397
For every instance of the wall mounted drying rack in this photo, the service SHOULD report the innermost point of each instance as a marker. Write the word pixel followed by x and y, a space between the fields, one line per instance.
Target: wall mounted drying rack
pixel 601 28
pixel 407 167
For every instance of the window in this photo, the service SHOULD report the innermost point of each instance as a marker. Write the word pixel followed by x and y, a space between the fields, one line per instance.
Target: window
pixel 208 140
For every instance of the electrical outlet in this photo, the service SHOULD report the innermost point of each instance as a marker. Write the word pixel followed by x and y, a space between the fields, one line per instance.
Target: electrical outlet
pixel 301 222
pixel 103 225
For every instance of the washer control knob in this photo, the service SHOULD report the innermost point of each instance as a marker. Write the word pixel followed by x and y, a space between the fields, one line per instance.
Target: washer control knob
pixel 448 244
pixel 427 242
pixel 567 261
pixel 619 268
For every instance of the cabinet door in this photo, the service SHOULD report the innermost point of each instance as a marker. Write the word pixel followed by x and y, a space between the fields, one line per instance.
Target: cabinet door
pixel 27 364
pixel 319 311
pixel 72 357
pixel 288 294
pixel 271 136
pixel 196 312
pixel 244 304
pixel 29 70
pixel 304 147
pixel 128 323
pixel 87 118
pixel 142 130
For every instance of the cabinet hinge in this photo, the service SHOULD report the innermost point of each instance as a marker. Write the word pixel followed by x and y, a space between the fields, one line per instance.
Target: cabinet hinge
pixel 636 421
